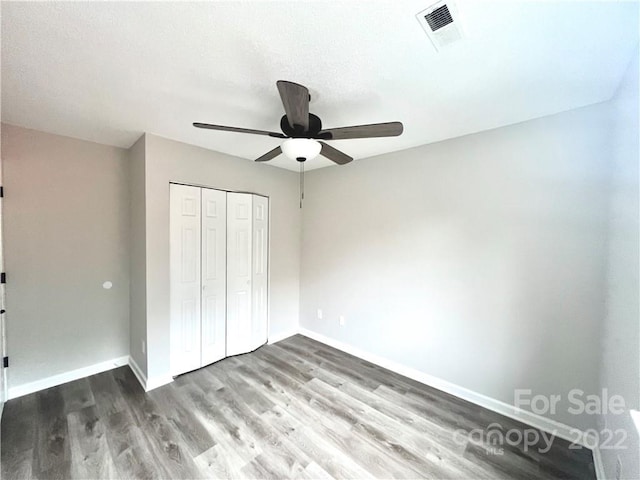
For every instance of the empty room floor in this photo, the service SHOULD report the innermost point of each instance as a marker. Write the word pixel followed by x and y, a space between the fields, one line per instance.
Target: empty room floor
pixel 295 409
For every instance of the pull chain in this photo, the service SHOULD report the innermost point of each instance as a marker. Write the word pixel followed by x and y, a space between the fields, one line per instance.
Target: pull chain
pixel 301 160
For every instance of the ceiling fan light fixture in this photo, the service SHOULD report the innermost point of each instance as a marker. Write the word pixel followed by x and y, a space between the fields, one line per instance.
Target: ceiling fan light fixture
pixel 301 148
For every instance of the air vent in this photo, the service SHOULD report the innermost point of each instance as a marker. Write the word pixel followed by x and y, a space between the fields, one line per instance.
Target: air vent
pixel 441 23
pixel 439 18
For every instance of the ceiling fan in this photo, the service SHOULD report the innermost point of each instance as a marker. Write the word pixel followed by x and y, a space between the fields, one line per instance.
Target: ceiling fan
pixel 303 130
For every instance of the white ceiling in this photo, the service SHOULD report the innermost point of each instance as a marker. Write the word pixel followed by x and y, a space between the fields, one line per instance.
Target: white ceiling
pixel 108 71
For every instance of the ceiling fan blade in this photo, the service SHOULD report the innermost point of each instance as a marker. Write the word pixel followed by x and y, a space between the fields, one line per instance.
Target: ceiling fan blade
pixel 390 129
pixel 334 154
pixel 270 155
pixel 295 99
pixel 238 130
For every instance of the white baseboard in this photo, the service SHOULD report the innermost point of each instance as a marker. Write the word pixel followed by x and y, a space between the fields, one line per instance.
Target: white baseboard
pixel 542 423
pixel 155 382
pixel 281 336
pixel 54 380
pixel 147 384
pixel 137 371
pixel 598 465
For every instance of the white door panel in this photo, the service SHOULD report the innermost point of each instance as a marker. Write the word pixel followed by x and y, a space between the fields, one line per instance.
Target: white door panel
pixel 239 286
pixel 214 270
pixel 260 247
pixel 185 284
pixel 219 275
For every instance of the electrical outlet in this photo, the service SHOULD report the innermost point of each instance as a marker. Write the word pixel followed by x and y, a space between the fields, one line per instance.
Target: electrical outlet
pixel 341 320
pixel 618 468
pixel 320 314
pixel 144 347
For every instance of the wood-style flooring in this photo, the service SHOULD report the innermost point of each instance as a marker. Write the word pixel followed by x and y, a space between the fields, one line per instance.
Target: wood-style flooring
pixel 295 409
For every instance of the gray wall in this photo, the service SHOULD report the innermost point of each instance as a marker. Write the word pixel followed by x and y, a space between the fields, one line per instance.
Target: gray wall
pixel 66 217
pixel 171 161
pixel 620 372
pixel 138 266
pixel 478 260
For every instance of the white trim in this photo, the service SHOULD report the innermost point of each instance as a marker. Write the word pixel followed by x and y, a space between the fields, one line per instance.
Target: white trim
pixel 54 380
pixel 148 385
pixel 598 465
pixel 155 382
pixel 542 423
pixel 137 371
pixel 278 337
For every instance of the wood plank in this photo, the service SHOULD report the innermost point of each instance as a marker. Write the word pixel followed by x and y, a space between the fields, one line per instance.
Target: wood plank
pixel 225 374
pixel 325 454
pixel 106 394
pixel 77 395
pixel 452 452
pixel 501 465
pixel 52 453
pixel 363 373
pixel 216 463
pixel 90 455
pixel 162 439
pixel 428 410
pixel 165 444
pixel 59 471
pixel 129 448
pixel 18 425
pixel 279 457
pixel 233 438
pixel 202 378
pixel 314 470
pixel 417 451
pixel 174 405
pixel 335 425
pixel 17 465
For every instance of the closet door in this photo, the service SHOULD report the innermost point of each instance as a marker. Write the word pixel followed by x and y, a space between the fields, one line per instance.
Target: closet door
pixel 239 273
pixel 185 284
pixel 259 306
pixel 214 271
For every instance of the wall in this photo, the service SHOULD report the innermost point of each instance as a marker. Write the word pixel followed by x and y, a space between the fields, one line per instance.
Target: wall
pixel 171 161
pixel 66 217
pixel 620 370
pixel 138 266
pixel 478 260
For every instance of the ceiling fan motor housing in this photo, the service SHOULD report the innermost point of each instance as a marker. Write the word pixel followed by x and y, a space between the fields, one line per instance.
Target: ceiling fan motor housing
pixel 298 131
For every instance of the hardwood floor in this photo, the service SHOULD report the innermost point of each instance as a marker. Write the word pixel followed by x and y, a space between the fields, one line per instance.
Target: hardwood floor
pixel 295 409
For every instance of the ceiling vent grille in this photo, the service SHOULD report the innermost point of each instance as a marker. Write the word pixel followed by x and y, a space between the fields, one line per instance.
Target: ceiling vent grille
pixel 439 18
pixel 441 23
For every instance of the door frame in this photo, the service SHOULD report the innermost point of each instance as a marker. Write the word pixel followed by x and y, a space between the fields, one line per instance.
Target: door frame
pixel 4 387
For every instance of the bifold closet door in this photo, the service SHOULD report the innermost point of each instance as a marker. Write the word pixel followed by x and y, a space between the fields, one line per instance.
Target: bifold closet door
pixel 218 270
pixel 214 272
pixel 185 275
pixel 239 286
pixel 260 254
pixel 247 279
pixel 198 277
